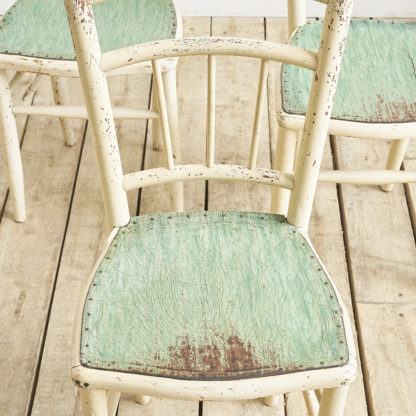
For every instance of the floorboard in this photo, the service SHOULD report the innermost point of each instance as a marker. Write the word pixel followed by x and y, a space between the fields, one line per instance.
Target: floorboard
pixel 30 254
pixel 383 262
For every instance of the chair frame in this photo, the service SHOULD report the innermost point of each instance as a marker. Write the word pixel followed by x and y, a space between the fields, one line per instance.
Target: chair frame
pixel 59 70
pixel 290 126
pixel 100 389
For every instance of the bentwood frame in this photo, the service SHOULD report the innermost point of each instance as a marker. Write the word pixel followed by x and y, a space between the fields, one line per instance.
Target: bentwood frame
pixel 59 70
pixel 291 125
pixel 100 388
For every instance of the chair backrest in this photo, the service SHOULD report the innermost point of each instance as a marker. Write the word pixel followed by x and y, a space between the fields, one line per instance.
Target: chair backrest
pixel 93 65
pixel 296 13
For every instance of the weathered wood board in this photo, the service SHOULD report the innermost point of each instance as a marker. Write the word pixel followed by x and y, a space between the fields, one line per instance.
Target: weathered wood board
pixel 30 256
pixel 383 268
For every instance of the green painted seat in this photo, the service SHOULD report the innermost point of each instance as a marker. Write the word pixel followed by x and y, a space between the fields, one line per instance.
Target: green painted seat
pixel 39 28
pixel 377 81
pixel 189 296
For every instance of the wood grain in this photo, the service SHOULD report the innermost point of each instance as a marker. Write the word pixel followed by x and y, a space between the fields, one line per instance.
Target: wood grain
pixel 383 263
pixel 30 257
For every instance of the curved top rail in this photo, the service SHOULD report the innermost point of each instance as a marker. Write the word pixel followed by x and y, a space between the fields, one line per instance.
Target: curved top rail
pixel 209 46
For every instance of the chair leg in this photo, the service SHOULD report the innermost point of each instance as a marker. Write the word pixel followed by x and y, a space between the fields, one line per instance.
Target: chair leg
pixel 284 161
pixel 333 401
pixel 271 401
pixel 94 402
pixel 60 94
pixel 11 150
pixel 169 81
pixel 311 402
pixel 141 399
pixel 156 128
pixel 113 397
pixel 395 158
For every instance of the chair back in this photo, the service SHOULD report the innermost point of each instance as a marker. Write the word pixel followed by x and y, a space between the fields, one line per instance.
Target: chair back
pixel 296 13
pixel 93 65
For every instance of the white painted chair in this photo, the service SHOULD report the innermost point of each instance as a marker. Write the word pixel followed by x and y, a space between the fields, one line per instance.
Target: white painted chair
pixel 35 37
pixel 211 305
pixel 370 102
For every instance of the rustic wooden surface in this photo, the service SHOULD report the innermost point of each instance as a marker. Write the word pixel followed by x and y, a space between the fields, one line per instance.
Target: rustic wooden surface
pixel 44 262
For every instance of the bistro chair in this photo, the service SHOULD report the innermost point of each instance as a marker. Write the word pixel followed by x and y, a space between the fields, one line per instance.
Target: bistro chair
pixel 376 95
pixel 210 305
pixel 35 37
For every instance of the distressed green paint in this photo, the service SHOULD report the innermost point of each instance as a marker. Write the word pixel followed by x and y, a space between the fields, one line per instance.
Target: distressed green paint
pixel 378 76
pixel 40 28
pixel 211 295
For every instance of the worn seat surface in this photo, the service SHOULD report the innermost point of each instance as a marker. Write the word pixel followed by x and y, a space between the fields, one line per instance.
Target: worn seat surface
pixel 39 28
pixel 189 295
pixel 378 76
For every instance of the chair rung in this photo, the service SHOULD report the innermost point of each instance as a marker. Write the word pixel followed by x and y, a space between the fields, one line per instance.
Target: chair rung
pixel 366 177
pixel 63 111
pixel 150 177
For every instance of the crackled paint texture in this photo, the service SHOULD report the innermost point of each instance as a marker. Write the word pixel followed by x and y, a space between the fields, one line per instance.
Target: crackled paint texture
pixel 40 28
pixel 211 295
pixel 378 76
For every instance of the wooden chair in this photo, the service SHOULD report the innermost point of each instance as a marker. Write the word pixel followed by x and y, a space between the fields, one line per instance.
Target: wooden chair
pixel 35 37
pixel 211 305
pixel 376 95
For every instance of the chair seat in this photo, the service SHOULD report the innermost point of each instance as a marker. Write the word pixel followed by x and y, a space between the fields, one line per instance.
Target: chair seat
pixel 377 81
pixel 39 28
pixel 189 296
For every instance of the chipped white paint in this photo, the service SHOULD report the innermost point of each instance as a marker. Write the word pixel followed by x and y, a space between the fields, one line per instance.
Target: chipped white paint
pixel 331 46
pixel 58 70
pixel 261 96
pixel 11 150
pixel 211 112
pixel 159 176
pixel 81 112
pixel 209 46
pixel 93 382
pixel 367 177
pixel 399 132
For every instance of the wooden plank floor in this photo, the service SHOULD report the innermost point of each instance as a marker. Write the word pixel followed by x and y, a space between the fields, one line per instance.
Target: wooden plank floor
pixel 364 236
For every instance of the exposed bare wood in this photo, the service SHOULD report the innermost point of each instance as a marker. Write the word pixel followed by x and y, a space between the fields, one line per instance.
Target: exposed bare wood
pixel 30 256
pixel 383 263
